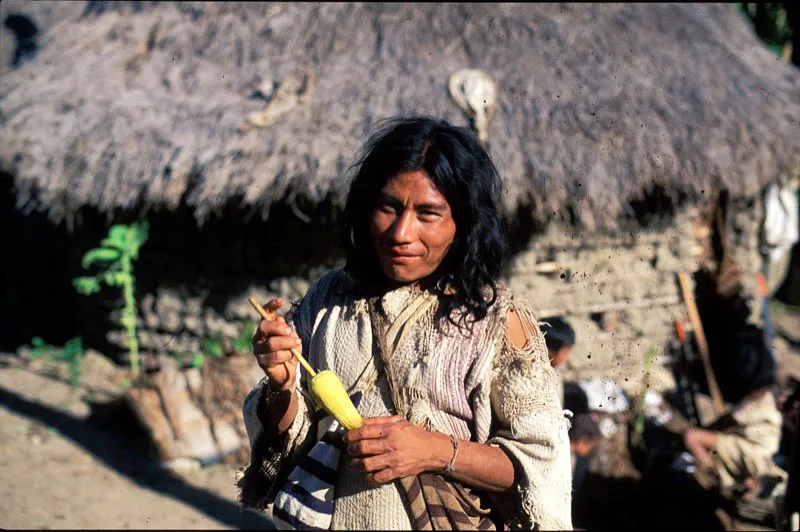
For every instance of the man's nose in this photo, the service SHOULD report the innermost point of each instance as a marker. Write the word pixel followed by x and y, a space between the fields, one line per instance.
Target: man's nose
pixel 403 228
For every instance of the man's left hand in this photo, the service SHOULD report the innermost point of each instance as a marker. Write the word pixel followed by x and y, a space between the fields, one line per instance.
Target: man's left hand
pixel 388 448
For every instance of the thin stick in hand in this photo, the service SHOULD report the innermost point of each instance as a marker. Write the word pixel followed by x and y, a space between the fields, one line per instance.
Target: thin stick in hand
pixel 295 352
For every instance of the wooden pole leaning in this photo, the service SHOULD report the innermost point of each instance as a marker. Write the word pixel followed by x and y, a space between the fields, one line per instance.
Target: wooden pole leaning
pixel 697 325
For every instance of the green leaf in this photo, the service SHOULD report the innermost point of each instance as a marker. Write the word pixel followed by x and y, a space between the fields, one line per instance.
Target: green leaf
pixel 117 237
pixel 99 255
pixel 213 347
pixel 137 236
pixel 775 49
pixel 39 348
pixel 244 342
pixel 116 278
pixel 86 285
pixel 198 361
pixel 73 348
pixel 75 370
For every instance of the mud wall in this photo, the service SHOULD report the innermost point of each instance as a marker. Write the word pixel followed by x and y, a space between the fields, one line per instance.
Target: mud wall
pixel 620 292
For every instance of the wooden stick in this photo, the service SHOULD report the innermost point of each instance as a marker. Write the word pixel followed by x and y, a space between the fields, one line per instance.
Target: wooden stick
pixel 547 267
pixel 264 314
pixel 694 317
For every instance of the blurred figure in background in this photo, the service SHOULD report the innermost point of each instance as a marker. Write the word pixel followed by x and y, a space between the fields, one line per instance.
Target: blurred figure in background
pixel 741 444
pixel 583 435
pixel 560 338
pixel 584 432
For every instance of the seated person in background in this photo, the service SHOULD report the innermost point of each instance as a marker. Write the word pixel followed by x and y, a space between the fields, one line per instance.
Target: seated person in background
pixel 740 445
pixel 559 337
pixel 583 435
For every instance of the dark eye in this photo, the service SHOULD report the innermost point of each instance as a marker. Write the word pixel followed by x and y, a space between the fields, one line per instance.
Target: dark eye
pixel 428 215
pixel 385 206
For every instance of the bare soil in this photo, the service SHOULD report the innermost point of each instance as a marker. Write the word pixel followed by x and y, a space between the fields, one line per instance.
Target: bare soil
pixel 78 460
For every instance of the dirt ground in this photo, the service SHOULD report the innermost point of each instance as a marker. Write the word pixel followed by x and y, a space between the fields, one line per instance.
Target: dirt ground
pixel 68 463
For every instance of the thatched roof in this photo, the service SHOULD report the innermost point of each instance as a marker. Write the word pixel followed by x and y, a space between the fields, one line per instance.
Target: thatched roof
pixel 137 104
pixel 44 15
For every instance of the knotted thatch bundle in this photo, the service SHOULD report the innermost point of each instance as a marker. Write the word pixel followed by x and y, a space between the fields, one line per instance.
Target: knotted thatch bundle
pixel 140 105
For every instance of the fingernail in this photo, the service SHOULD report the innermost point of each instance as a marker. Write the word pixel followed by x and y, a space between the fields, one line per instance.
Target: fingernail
pixel 288 330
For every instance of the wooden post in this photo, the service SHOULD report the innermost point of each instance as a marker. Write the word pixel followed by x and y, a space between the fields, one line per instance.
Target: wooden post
pixel 697 325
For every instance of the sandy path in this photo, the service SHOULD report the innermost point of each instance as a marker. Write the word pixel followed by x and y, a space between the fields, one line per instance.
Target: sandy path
pixel 61 470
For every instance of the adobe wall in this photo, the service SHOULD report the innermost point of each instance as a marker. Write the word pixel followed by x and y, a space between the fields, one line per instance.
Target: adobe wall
pixel 619 292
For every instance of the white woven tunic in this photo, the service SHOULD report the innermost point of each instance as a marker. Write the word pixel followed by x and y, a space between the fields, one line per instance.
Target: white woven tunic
pixel 476 386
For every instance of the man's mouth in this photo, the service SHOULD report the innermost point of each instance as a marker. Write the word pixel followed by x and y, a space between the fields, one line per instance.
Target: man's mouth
pixel 399 256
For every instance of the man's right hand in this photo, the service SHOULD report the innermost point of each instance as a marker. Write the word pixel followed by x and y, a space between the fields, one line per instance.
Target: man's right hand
pixel 272 343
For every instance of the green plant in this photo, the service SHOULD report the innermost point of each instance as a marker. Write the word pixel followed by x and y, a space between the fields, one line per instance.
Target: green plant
pixel 244 342
pixel 114 259
pixel 211 348
pixel 217 347
pixel 638 426
pixel 772 23
pixel 71 353
pixel 198 360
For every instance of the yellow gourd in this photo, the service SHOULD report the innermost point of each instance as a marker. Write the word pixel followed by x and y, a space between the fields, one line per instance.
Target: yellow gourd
pixel 325 386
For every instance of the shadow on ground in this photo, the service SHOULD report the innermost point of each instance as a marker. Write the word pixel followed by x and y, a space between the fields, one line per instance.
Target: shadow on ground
pixel 126 457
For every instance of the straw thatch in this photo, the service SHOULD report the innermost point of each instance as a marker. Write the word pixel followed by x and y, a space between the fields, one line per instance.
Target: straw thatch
pixel 44 15
pixel 133 105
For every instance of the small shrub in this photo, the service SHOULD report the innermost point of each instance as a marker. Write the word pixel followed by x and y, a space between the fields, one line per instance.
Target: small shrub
pixel 114 259
pixel 71 353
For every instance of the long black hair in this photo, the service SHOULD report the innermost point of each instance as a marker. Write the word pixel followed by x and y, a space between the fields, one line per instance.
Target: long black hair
pixel 559 333
pixel 461 169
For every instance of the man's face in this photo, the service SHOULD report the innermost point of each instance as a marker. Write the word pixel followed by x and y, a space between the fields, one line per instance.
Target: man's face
pixel 412 227
pixel 582 447
pixel 557 358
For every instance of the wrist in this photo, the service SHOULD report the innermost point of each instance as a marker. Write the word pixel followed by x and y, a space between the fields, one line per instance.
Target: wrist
pixel 277 409
pixel 443 452
pixel 276 389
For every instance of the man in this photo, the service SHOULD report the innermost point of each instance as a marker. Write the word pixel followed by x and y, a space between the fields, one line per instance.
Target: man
pixel 741 444
pixel 583 436
pixel 560 338
pixel 465 398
